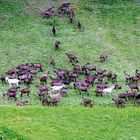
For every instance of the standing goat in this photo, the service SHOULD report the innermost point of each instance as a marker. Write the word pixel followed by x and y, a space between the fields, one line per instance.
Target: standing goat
pixel 108 90
pixel 57 88
pixel 12 81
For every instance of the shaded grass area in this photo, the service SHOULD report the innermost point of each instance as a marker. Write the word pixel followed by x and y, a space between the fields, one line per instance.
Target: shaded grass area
pixel 6 134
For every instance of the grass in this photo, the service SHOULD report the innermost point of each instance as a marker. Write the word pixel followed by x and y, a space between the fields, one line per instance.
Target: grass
pixel 72 123
pixel 110 26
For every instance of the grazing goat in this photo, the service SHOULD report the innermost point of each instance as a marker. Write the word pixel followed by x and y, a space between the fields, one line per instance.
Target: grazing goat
pixel 63 91
pixel 134 86
pixel 22 103
pixel 119 103
pixel 52 62
pixel 117 87
pixel 98 92
pixel 87 101
pixel 108 90
pixel 54 101
pixel 72 57
pixel 43 78
pixel 127 77
pixel 45 101
pixel 12 81
pixel 37 66
pixel 103 86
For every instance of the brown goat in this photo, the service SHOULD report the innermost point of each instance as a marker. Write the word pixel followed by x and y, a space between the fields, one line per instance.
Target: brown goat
pixel 103 57
pixel 87 101
pixel 119 103
pixel 57 45
pixel 54 30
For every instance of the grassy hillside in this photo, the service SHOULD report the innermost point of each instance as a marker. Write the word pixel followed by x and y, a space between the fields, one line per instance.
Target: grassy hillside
pixel 110 26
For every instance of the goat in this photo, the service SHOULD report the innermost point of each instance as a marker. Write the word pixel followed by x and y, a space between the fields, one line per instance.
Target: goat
pixel 2 78
pixel 54 101
pixel 52 95
pixel 119 103
pixel 127 77
pixel 83 88
pixel 37 66
pixel 103 57
pixel 52 62
pixel 57 88
pixel 25 91
pixel 43 78
pixel 12 81
pixel 79 25
pixel 42 93
pixel 54 30
pixel 122 96
pixel 57 45
pixel 103 86
pixel 22 103
pixel 72 57
pixel 98 92
pixel 137 74
pixel 63 91
pixel 13 89
pixel 131 94
pixel 100 71
pixel 27 81
pixel 45 102
pixel 137 100
pixel 11 95
pixel 117 87
pixel 134 86
pixel 87 101
pixel 108 90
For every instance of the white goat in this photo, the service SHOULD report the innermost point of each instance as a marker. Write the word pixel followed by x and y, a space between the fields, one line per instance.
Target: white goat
pixel 12 81
pixel 107 90
pixel 57 88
